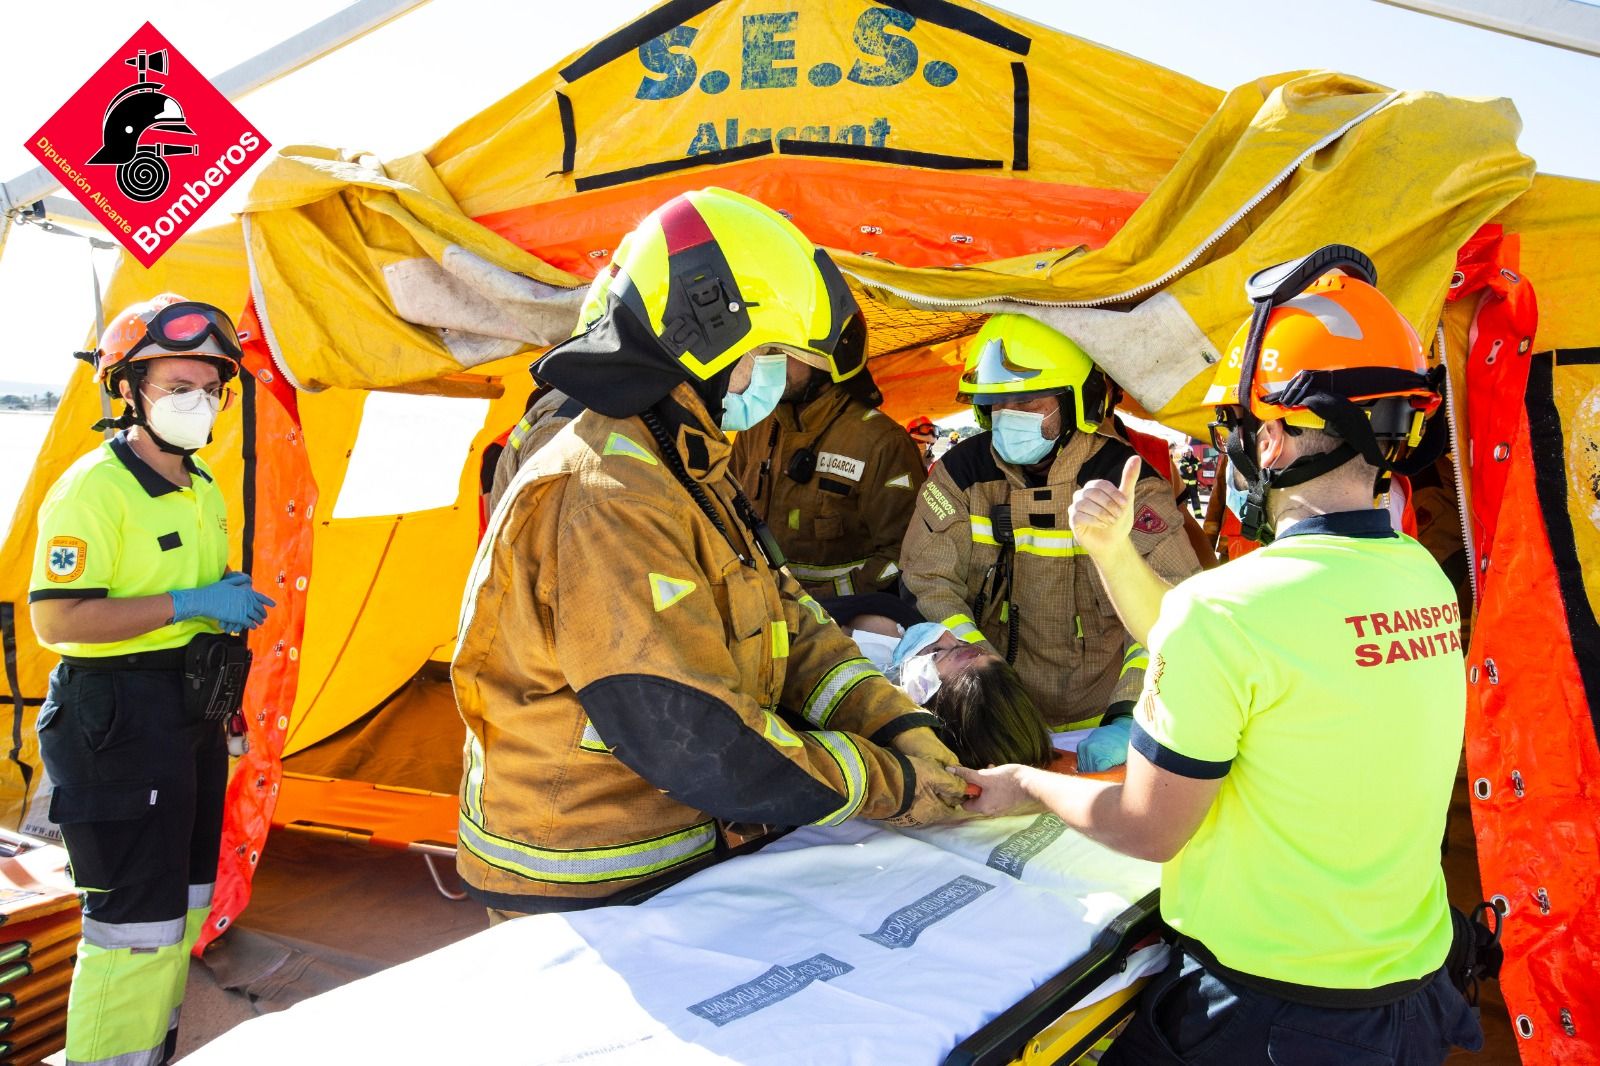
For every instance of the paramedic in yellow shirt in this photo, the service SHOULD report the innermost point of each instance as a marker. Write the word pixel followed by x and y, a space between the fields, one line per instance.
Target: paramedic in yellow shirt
pixel 1295 743
pixel 130 587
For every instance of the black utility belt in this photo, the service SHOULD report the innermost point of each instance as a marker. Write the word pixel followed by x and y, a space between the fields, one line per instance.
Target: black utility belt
pixel 215 667
pixel 160 659
pixel 1310 995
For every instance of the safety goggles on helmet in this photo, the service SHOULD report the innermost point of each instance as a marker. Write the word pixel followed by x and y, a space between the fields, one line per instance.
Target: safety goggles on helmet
pixel 187 326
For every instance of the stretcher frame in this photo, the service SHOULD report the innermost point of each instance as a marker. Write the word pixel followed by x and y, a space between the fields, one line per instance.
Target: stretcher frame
pixel 1042 1028
pixel 333 826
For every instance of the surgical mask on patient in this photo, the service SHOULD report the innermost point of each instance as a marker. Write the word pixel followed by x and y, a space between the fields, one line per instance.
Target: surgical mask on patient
pixel 919 677
pixel 912 670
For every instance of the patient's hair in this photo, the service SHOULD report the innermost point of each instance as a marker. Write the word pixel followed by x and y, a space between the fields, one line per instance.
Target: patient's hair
pixel 989 719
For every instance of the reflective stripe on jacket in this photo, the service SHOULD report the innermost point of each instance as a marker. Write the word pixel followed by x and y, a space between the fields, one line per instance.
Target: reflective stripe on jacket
pixel 632 682
pixel 841 528
pixel 1073 655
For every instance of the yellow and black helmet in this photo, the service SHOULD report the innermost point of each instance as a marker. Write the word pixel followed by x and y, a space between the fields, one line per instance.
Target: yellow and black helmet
pixel 1020 358
pixel 716 274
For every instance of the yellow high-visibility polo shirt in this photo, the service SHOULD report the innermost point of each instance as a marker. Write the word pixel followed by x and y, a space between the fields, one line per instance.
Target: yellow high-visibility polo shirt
pixel 112 526
pixel 1321 679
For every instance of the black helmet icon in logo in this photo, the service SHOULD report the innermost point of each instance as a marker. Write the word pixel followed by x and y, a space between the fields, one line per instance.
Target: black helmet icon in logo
pixel 142 172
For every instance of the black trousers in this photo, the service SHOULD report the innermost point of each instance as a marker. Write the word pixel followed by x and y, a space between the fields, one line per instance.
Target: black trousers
pixel 1192 1016
pixel 139 788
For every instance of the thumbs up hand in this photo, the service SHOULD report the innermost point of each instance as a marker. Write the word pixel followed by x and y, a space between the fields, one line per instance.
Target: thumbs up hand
pixel 1102 513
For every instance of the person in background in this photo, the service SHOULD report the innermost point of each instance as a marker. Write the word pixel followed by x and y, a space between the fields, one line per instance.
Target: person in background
pixel 924 433
pixel 1270 680
pixel 831 476
pixel 131 587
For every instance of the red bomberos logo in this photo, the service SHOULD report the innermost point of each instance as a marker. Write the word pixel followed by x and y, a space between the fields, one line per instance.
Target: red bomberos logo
pixel 147 149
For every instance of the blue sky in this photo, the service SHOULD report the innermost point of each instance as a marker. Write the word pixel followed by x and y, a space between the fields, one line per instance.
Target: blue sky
pixel 403 86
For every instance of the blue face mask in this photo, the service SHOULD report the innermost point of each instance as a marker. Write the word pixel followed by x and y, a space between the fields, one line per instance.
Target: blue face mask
pixel 912 670
pixel 760 398
pixel 1019 437
pixel 1235 499
pixel 915 639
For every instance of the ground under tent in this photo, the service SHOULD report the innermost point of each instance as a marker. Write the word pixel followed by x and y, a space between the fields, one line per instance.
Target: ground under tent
pixel 1116 200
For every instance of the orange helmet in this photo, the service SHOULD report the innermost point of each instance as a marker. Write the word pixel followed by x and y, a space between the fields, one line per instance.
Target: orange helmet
pixel 166 325
pixel 1323 349
pixel 1338 323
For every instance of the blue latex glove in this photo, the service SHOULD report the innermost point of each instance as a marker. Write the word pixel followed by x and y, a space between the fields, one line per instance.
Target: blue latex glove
pixel 231 602
pixel 1106 746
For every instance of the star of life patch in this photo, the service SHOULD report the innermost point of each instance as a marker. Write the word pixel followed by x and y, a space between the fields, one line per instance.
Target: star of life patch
pixel 66 559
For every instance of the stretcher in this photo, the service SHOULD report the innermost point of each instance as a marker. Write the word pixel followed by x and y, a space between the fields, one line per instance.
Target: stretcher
pixel 39 927
pixel 380 816
pixel 855 943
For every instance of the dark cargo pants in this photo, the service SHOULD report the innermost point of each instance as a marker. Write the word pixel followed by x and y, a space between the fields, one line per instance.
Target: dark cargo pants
pixel 139 788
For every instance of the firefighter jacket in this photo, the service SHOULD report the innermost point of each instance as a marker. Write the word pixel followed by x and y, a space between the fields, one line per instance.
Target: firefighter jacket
pixel 548 410
pixel 634 679
pixel 836 481
pixel 993 558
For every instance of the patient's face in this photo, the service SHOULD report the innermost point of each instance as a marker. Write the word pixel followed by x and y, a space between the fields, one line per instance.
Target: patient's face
pixel 952 656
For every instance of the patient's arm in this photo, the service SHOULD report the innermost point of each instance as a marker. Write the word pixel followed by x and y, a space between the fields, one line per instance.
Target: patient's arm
pixel 1150 816
pixel 877 623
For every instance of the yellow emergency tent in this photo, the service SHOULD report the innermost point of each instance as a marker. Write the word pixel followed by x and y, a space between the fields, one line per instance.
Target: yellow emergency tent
pixel 957 161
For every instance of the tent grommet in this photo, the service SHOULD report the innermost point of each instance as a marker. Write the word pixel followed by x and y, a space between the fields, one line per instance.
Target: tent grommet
pixel 1481 788
pixel 1525 1027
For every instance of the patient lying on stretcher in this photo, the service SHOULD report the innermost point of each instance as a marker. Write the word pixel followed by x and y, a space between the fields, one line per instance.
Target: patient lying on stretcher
pixel 989 720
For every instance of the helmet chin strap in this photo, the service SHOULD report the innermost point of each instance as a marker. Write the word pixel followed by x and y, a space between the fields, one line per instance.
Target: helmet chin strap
pixel 1254 522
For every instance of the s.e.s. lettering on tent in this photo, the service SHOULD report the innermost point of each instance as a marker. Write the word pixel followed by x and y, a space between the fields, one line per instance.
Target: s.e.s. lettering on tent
pixel 1412 633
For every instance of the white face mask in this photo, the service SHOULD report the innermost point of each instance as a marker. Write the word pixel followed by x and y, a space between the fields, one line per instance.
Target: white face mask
pixel 920 679
pixel 183 420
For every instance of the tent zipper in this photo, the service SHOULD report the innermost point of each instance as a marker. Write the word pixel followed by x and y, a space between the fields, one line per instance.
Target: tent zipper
pixel 1458 460
pixel 257 296
pixel 1149 286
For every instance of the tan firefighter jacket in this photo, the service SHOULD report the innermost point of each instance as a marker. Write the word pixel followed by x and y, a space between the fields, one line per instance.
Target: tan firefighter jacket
pixel 633 680
pixel 1073 655
pixel 841 527
pixel 549 411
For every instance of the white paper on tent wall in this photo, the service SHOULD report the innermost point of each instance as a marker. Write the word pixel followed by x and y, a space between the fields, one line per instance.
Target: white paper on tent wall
pixel 408 454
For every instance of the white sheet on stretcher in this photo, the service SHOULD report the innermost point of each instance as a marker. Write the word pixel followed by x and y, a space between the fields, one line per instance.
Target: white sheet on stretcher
pixel 854 944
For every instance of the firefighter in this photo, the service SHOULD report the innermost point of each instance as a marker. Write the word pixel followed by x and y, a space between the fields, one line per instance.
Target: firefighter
pixel 643 686
pixel 989 553
pixel 131 588
pixel 834 479
pixel 1334 646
